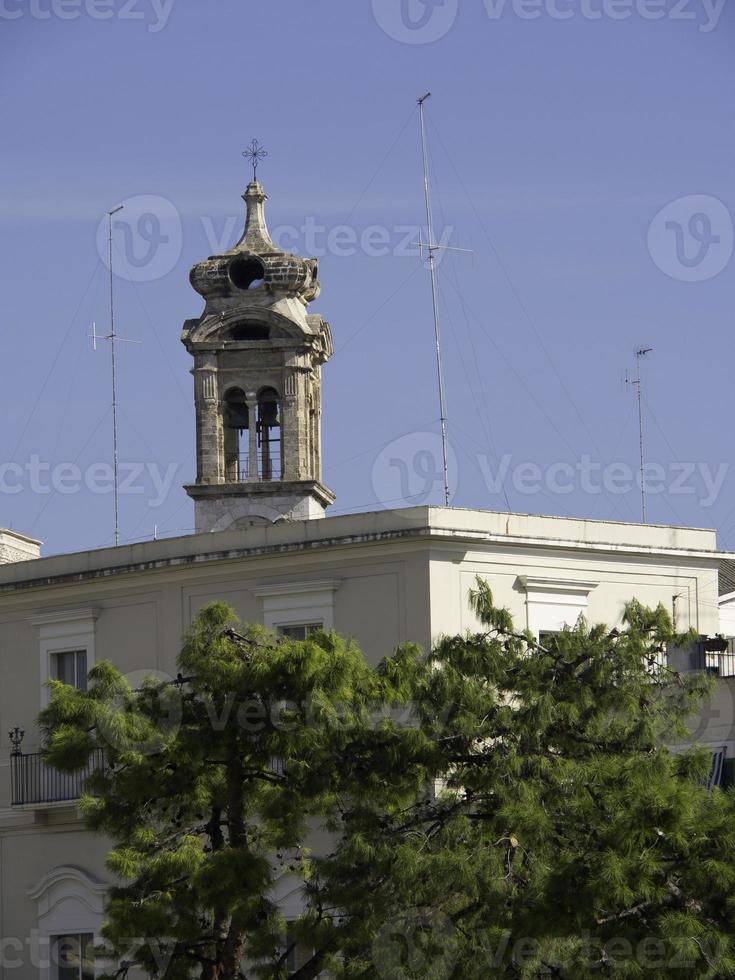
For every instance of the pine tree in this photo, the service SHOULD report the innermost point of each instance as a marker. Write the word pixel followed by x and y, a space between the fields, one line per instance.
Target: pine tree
pixel 498 808
pixel 210 786
pixel 563 838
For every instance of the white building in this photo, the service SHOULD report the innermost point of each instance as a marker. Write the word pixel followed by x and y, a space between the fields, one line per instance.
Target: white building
pixel 382 578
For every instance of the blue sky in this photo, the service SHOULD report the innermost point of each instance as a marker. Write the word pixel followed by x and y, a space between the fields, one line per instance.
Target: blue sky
pixel 581 149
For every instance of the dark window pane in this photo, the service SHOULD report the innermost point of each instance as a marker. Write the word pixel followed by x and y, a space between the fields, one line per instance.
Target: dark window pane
pixel 546 637
pixel 70 667
pixel 73 957
pixel 300 631
pixel 81 678
pixel 298 953
pixel 63 667
pixel 87 956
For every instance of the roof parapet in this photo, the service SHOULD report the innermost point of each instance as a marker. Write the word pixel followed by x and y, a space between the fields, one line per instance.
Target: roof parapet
pixel 16 547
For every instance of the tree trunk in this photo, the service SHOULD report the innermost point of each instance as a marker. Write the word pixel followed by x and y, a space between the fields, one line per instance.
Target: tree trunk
pixel 234 946
pixel 213 971
pixel 233 952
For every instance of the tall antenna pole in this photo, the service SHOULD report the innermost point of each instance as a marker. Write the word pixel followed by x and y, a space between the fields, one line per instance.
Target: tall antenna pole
pixel 432 248
pixel 639 355
pixel 112 339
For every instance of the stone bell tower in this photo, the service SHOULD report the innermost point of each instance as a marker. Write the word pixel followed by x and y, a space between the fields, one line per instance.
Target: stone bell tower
pixel 257 382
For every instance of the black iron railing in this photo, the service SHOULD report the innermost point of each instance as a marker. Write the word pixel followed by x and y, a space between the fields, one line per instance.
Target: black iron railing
pixel 34 782
pixel 237 467
pixel 719 662
pixel 713 654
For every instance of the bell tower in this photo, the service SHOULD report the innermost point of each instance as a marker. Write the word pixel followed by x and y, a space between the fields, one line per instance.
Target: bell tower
pixel 257 382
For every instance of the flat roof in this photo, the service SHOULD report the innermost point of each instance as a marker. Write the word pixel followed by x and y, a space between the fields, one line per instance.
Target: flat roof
pixel 480 527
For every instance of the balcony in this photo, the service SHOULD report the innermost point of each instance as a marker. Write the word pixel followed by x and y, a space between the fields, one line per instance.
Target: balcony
pixel 719 662
pixel 714 655
pixel 267 468
pixel 35 783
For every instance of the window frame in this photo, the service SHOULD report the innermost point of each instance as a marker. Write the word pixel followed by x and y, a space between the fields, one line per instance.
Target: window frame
pixel 70 902
pixel 298 603
pixel 717 768
pixel 63 631
pixel 297 954
pixel 85 941
pixel 554 603
pixel 78 654
pixel 309 629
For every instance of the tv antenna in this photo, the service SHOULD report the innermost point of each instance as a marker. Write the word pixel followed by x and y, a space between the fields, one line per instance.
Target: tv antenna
pixel 432 248
pixel 113 338
pixel 637 382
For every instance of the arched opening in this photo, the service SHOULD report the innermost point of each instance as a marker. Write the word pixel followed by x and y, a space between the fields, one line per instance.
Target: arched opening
pixel 269 434
pixel 250 331
pixel 236 426
pixel 246 273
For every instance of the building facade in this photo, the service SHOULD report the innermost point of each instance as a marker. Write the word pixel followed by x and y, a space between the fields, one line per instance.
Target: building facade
pixel 381 578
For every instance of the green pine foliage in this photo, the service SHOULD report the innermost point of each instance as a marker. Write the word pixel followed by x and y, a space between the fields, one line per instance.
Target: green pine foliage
pixel 498 808
pixel 562 839
pixel 210 786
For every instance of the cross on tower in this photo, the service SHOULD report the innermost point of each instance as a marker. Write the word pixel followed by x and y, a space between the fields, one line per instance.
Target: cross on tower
pixel 255 153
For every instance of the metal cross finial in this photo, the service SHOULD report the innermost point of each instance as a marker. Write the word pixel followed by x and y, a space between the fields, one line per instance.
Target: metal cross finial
pixel 255 153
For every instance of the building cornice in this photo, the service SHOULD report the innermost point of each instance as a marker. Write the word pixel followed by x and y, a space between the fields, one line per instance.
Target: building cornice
pixel 567 586
pixel 87 615
pixel 380 528
pixel 67 872
pixel 295 588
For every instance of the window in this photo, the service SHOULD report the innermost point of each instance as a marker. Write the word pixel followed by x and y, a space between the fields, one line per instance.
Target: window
pixel 250 331
pixel 298 953
pixel 299 631
pixel 72 957
pixel 552 604
pixel 546 636
pixel 71 905
pixel 66 640
pixel 70 667
pixel 298 605
pixel 717 767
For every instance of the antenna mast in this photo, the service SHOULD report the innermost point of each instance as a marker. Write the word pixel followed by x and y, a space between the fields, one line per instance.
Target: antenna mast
pixel 113 338
pixel 639 355
pixel 432 249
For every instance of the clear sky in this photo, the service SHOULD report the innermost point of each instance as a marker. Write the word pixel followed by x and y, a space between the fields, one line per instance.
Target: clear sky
pixel 581 149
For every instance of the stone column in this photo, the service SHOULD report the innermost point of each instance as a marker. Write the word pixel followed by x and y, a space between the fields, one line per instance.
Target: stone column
pixel 291 437
pixel 207 410
pixel 316 424
pixel 253 470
